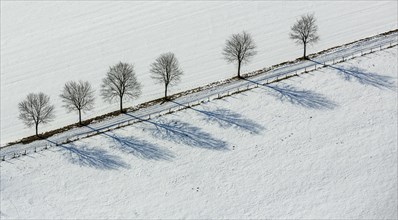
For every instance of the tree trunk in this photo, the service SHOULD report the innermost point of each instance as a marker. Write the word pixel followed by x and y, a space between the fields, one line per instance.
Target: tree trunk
pixel 80 117
pixel 165 91
pixel 37 129
pixel 239 62
pixel 121 103
pixel 305 50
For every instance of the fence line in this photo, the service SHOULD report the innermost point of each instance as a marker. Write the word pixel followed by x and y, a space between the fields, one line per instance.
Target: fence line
pixel 209 98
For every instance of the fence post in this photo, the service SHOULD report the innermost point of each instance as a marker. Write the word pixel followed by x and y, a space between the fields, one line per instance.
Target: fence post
pixel 371 50
pixel 4 158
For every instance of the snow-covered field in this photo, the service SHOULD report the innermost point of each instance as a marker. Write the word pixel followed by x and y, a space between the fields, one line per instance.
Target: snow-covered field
pixel 44 44
pixel 321 145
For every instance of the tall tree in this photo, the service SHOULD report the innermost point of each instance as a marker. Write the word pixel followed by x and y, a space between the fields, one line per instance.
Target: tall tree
pixel 305 31
pixel 166 70
pixel 36 109
pixel 78 96
pixel 120 82
pixel 239 48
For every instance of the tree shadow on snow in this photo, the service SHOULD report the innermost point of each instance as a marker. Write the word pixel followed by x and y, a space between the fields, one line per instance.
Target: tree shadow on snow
pixel 226 118
pixel 363 77
pixel 304 98
pixel 181 132
pixel 139 148
pixel 91 157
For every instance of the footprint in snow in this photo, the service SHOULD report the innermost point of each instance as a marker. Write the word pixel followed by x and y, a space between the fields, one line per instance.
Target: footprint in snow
pixel 291 134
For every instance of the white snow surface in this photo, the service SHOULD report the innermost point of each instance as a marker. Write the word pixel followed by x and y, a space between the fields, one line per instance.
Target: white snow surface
pixel 320 145
pixel 45 44
pixel 331 57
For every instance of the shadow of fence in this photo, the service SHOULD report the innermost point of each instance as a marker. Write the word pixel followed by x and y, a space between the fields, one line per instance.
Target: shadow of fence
pixel 184 133
pixel 363 77
pixel 227 118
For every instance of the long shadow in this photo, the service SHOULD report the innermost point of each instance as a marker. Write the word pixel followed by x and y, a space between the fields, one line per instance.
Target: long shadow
pixel 91 157
pixel 227 118
pixel 181 132
pixel 363 77
pixel 304 98
pixel 137 147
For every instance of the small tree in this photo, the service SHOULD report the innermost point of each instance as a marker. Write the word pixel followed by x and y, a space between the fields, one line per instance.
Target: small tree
pixel 36 109
pixel 304 31
pixel 166 70
pixel 78 96
pixel 239 48
pixel 120 82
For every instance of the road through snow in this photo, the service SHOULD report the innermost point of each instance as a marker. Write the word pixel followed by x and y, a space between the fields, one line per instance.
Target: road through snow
pixel 44 44
pixel 142 114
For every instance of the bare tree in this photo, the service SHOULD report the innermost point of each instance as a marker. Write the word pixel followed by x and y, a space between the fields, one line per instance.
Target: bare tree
pixel 304 31
pixel 78 96
pixel 166 70
pixel 36 109
pixel 239 48
pixel 120 82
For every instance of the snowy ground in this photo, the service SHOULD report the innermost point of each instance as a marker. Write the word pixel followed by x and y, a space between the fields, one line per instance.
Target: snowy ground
pixel 322 145
pixel 336 55
pixel 44 44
